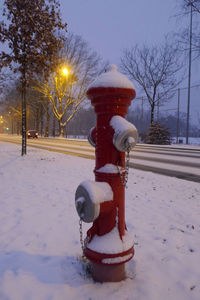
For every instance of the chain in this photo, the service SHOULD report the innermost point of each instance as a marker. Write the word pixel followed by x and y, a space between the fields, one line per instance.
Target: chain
pixel 124 172
pixel 81 234
pixel 83 244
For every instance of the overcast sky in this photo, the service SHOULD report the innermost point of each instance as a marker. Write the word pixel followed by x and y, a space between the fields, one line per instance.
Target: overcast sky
pixel 109 26
pixel 112 25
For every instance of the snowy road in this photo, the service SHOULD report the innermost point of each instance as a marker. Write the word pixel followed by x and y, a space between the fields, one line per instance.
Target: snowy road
pixel 177 161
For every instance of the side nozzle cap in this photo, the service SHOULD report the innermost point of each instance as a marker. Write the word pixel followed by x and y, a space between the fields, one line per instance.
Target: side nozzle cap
pixel 126 140
pixel 87 210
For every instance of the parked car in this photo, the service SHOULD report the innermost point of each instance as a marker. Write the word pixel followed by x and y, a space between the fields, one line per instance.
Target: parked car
pixel 32 134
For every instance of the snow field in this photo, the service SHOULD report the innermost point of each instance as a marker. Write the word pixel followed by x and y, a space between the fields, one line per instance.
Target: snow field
pixel 39 232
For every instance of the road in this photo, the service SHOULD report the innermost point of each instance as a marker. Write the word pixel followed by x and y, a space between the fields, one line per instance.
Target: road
pixel 178 161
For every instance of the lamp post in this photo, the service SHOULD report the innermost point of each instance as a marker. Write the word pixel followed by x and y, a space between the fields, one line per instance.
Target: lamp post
pixel 23 116
pixel 189 75
pixel 178 113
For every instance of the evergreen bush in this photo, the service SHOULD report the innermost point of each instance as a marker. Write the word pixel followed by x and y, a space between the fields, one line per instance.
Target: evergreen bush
pixel 158 134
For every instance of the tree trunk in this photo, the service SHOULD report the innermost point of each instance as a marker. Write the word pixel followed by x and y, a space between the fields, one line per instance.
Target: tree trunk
pixel 12 126
pixel 23 115
pixel 54 126
pixel 41 120
pixel 66 131
pixel 152 112
pixel 37 119
pixel 47 122
pixel 18 127
pixel 61 129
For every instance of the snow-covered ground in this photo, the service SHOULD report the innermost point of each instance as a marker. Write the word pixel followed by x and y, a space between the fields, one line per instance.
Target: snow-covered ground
pixel 39 232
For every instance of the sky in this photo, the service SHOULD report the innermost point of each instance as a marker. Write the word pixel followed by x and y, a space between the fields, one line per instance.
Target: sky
pixel 112 25
pixel 109 26
pixel 40 251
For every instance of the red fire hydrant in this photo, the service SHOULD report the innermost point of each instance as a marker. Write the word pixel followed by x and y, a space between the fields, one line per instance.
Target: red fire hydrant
pixel 108 245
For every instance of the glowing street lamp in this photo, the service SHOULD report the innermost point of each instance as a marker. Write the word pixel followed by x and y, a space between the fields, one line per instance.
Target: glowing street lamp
pixel 65 71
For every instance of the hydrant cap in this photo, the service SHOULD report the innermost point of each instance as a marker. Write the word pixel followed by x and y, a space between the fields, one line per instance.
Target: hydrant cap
pixel 112 78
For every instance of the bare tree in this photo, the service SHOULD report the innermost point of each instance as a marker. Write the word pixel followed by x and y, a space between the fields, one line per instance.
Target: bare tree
pixel 39 109
pixel 67 92
pixel 190 9
pixel 7 79
pixel 155 69
pixel 194 3
pixel 30 31
pixel 13 111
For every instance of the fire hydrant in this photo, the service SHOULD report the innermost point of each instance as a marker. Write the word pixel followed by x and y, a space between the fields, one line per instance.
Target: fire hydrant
pixel 108 245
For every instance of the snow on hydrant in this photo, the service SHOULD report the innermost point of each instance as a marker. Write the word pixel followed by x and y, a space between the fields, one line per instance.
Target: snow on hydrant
pixel 108 246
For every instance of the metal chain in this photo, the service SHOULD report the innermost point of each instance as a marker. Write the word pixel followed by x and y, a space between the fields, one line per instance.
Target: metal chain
pixel 81 238
pixel 124 172
pixel 83 242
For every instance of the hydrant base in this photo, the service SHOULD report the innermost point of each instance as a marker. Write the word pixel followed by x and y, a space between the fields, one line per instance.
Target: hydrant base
pixel 108 273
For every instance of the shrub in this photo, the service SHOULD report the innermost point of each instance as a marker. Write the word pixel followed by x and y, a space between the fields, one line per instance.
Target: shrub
pixel 158 134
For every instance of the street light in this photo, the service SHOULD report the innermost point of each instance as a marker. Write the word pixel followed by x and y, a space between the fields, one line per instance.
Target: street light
pixel 189 74
pixel 65 71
